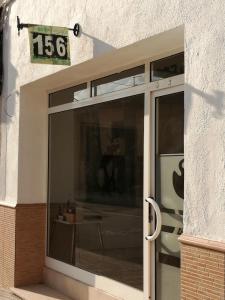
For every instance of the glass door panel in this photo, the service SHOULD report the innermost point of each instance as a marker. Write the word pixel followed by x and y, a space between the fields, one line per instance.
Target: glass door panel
pixel 96 189
pixel 169 192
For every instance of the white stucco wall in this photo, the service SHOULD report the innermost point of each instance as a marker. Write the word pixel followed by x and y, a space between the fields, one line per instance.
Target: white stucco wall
pixel 108 25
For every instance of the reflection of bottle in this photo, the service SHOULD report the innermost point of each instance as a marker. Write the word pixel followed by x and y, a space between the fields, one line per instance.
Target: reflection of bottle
pixel 178 180
pixel 68 206
pixel 70 213
pixel 60 214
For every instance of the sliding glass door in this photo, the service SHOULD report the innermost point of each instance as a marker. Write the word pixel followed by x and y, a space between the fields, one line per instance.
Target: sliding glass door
pixel 169 190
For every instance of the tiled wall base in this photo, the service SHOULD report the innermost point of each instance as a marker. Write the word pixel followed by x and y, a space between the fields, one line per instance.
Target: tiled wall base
pixel 202 269
pixel 22 253
pixel 22 244
pixel 73 288
pixel 7 246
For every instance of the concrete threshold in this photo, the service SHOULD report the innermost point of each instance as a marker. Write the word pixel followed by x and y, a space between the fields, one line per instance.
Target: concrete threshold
pixel 38 292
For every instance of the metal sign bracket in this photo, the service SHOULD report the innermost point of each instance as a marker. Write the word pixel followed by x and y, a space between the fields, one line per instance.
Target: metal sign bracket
pixel 20 26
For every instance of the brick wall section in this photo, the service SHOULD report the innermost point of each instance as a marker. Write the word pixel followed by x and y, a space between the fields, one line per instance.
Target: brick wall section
pixel 30 244
pixel 7 246
pixel 202 272
pixel 22 244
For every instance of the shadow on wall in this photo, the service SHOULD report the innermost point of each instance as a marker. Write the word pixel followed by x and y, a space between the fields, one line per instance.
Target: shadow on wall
pixel 9 92
pixel 99 47
pixel 216 100
pixel 8 99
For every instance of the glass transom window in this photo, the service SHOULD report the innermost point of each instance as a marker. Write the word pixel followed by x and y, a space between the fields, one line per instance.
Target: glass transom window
pixel 118 81
pixel 72 94
pixel 167 67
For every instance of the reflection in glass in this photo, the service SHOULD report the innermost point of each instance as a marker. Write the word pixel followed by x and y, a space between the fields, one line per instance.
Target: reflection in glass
pixel 119 81
pixel 75 93
pixel 167 67
pixel 96 189
pixel 169 192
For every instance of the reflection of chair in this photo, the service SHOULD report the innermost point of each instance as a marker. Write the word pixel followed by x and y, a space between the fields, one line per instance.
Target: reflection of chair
pixel 95 219
pixel 87 220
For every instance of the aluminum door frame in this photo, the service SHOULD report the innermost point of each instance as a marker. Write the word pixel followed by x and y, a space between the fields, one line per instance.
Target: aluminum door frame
pixel 149 175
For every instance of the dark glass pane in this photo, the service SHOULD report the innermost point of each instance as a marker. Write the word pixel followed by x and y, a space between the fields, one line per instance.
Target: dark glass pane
pixel 170 113
pixel 118 81
pixel 169 192
pixel 96 188
pixel 167 67
pixel 75 93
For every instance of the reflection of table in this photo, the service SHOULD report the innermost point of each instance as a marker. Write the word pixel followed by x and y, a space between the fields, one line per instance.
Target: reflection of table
pixel 73 225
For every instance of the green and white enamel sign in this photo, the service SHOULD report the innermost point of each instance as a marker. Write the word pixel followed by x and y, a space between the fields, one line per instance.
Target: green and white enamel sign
pixel 49 45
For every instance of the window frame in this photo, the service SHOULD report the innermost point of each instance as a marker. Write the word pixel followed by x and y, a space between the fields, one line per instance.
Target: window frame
pixel 119 289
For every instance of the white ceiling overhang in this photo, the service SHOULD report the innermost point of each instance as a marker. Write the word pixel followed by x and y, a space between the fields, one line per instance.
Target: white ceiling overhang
pixel 113 60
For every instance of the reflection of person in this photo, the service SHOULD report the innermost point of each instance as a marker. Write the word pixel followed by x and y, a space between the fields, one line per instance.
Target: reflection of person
pixel 110 168
pixel 115 147
pixel 107 173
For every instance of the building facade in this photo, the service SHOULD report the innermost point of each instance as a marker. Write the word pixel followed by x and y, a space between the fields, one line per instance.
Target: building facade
pixel 112 169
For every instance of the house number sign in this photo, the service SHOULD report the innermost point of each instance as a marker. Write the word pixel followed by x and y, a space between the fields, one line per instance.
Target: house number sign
pixel 49 45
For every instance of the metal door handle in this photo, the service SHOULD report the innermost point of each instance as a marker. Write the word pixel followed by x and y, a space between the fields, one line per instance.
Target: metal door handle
pixel 158 219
